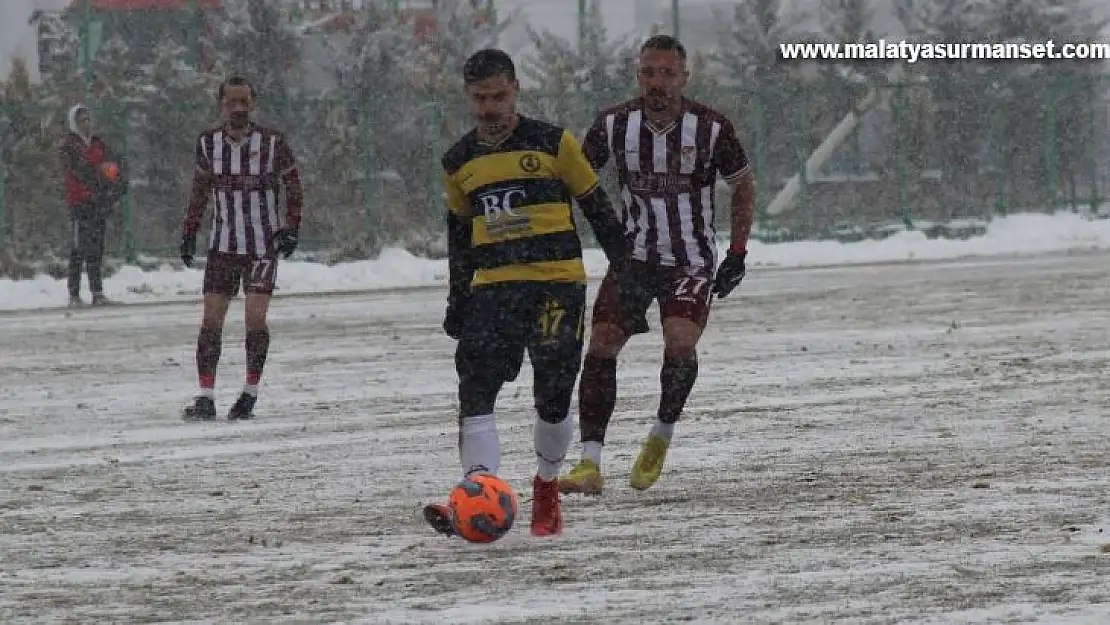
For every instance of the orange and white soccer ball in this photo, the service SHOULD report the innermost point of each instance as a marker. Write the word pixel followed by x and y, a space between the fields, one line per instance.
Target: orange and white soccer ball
pixel 110 171
pixel 483 507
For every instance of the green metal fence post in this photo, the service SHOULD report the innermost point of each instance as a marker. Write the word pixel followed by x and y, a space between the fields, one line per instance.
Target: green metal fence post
pixel 1089 96
pixel 581 24
pixel 3 200
pixel 676 19
pixel 369 177
pixel 130 248
pixel 998 154
pixel 435 125
pixel 1052 146
pixel 86 47
pixel 898 112
pixel 759 154
pixel 801 149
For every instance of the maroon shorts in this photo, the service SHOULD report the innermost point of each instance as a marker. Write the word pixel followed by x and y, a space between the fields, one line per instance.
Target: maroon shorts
pixel 225 273
pixel 682 292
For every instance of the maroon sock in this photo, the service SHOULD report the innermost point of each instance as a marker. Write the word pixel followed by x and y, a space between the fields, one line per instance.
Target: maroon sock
pixel 597 396
pixel 257 345
pixel 208 356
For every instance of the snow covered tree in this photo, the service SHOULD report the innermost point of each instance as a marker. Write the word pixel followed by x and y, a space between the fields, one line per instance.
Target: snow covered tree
pixel 35 219
pixel 1045 109
pixel 370 126
pixel 748 43
pixel 575 79
pixel 954 139
pixel 257 39
pixel 775 110
pixel 851 21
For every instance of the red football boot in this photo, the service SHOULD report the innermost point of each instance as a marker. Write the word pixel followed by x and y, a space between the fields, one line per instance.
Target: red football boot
pixel 547 518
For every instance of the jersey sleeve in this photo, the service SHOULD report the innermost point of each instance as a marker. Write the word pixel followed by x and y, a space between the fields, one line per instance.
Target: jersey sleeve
pixel 596 144
pixel 457 203
pixel 729 155
pixel 284 159
pixel 203 156
pixel 573 168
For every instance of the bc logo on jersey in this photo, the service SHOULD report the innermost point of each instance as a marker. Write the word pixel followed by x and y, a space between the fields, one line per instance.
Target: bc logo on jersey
pixel 498 206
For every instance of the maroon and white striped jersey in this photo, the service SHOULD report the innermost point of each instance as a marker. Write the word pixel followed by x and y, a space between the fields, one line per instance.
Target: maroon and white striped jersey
pixel 667 176
pixel 244 179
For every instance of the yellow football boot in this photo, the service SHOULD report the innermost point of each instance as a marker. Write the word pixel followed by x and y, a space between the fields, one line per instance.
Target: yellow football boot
pixel 649 464
pixel 584 478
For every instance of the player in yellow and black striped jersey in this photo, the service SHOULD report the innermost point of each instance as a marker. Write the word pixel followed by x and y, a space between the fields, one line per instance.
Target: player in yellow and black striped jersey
pixel 518 283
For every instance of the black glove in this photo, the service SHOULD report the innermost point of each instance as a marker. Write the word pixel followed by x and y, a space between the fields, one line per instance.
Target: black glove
pixel 284 242
pixel 456 310
pixel 188 250
pixel 730 273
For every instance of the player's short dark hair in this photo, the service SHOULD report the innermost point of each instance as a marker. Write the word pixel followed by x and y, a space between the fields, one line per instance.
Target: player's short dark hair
pixel 235 81
pixel 488 63
pixel 666 43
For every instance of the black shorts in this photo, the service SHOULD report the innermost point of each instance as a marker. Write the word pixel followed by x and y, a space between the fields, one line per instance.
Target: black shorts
pixel 504 321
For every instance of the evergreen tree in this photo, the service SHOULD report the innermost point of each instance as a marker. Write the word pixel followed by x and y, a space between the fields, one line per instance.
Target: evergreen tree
pixel 1044 109
pixel 257 38
pixel 368 127
pixel 576 79
pixel 774 108
pixel 956 137
pixel 35 218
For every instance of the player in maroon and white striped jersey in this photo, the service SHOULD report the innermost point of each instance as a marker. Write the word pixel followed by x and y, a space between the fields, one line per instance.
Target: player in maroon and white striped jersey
pixel 669 152
pixel 240 169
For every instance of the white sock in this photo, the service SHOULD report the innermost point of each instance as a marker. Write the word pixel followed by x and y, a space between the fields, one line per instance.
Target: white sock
pixel 251 389
pixel 591 450
pixel 552 443
pixel 479 447
pixel 662 430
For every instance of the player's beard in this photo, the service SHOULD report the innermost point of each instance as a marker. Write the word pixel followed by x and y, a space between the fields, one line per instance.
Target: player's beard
pixel 659 101
pixel 238 121
pixel 494 126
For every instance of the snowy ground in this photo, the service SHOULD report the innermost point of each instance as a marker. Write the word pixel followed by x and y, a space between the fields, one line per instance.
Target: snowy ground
pixel 1019 234
pixel 911 443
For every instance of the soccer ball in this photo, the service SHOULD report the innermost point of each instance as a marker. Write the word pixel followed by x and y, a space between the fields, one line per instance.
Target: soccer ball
pixel 110 171
pixel 483 507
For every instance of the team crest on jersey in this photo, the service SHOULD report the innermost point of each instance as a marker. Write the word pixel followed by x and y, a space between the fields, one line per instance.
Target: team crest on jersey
pixel 530 163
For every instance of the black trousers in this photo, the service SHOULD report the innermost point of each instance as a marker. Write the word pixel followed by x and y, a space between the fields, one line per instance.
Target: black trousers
pixel 88 224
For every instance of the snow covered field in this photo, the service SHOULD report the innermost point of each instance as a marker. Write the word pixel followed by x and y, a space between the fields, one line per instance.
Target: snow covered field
pixel 903 443
pixel 1019 234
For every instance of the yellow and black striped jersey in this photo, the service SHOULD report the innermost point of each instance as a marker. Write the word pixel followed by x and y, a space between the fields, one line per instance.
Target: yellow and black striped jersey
pixel 512 204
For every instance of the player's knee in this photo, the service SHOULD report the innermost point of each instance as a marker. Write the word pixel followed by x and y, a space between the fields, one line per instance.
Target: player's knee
pixel 606 340
pixel 553 404
pixel 680 337
pixel 477 395
pixel 554 390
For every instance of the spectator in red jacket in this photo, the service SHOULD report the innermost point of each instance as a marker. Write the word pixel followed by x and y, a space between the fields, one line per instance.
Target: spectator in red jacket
pixel 95 182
